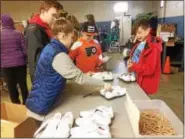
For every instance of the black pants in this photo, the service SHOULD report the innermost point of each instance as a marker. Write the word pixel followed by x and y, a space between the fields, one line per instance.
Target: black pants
pixel 16 76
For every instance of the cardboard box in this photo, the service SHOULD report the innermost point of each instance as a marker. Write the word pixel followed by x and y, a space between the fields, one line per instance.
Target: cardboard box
pixel 15 123
pixel 166 32
pixel 174 69
pixel 171 42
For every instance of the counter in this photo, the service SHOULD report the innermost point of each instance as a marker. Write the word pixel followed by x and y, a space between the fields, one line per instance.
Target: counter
pixel 72 100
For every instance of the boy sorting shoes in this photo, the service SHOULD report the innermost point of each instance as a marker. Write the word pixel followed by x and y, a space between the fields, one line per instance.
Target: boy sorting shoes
pixel 145 58
pixel 53 68
pixel 86 52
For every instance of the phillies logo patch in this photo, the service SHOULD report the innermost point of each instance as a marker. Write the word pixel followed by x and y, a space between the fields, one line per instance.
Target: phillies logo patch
pixel 91 51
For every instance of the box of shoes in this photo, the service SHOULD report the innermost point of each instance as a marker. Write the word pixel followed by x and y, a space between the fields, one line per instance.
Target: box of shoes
pixel 153 119
pixel 13 116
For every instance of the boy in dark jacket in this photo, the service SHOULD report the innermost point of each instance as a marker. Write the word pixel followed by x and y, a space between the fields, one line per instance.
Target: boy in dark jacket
pixel 38 32
pixel 145 59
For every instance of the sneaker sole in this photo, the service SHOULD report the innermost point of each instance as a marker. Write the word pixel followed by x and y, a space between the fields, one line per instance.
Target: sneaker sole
pixel 113 97
pixel 124 80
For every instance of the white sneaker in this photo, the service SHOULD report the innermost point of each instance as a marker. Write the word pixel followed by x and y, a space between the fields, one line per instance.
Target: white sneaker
pixel 125 77
pixel 97 75
pixel 63 129
pixel 132 77
pixel 69 118
pixel 90 131
pixel 115 93
pixel 106 110
pixel 50 127
pixel 97 118
pixel 107 76
pixel 103 91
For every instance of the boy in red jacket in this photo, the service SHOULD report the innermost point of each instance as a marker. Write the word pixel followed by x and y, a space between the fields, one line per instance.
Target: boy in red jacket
pixel 86 52
pixel 145 59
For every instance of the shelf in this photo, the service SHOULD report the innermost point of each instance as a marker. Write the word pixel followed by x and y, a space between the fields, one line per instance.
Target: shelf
pixel 177 63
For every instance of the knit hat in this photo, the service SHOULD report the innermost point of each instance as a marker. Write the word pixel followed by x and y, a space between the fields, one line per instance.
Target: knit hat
pixel 7 20
pixel 89 28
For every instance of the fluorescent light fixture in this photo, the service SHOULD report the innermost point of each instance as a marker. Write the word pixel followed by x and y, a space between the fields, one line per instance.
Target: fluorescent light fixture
pixel 162 4
pixel 121 7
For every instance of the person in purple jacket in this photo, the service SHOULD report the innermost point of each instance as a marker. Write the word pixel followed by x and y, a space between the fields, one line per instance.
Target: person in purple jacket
pixel 13 59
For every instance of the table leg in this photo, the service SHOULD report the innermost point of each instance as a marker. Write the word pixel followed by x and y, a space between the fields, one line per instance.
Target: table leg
pixel 182 59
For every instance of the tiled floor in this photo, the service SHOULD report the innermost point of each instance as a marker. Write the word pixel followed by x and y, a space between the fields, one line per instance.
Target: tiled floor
pixel 171 90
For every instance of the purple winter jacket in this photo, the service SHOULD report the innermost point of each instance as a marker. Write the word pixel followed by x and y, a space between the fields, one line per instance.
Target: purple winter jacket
pixel 13 48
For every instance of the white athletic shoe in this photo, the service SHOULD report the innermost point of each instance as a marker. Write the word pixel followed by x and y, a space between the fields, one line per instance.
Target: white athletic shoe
pixel 97 75
pixel 107 76
pixel 103 109
pixel 63 129
pixel 125 77
pixel 98 118
pixel 117 91
pixel 50 127
pixel 90 131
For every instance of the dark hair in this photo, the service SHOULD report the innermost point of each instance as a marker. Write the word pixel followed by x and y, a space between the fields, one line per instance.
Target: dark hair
pixel 62 13
pixel 62 25
pixel 90 18
pixel 143 23
pixel 46 4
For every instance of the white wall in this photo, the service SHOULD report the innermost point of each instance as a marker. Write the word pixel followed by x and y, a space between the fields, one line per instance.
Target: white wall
pixel 173 8
pixel 20 10
pixel 102 10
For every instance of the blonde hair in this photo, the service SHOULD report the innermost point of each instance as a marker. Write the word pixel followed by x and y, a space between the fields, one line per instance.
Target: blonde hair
pixel 62 25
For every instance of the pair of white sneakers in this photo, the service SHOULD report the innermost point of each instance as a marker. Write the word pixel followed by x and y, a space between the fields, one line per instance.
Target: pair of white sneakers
pixel 105 76
pixel 128 77
pixel 57 127
pixel 116 92
pixel 93 123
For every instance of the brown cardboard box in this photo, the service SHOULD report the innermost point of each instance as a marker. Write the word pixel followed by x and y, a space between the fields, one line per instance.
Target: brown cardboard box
pixel 168 27
pixel 171 42
pixel 174 69
pixel 14 121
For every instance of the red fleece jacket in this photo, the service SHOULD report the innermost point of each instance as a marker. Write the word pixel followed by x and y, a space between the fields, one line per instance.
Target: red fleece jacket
pixel 148 69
